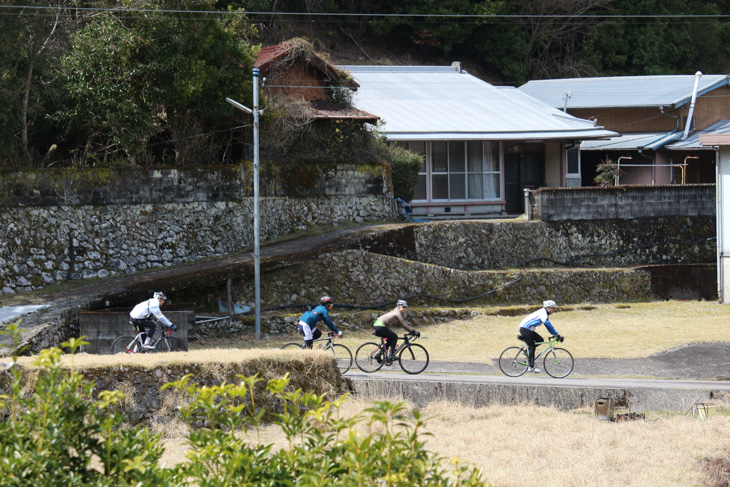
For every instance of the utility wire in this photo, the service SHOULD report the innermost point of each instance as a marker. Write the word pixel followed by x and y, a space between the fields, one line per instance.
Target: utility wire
pixel 375 14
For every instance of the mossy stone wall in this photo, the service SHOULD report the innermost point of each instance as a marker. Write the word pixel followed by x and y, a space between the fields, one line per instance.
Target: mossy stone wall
pixel 365 278
pixel 114 222
pixel 145 402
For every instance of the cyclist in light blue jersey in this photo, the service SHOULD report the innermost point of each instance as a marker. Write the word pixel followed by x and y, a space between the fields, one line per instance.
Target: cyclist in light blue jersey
pixel 308 321
pixel 532 321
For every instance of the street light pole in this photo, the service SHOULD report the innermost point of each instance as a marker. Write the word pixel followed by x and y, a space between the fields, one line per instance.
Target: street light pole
pixel 256 229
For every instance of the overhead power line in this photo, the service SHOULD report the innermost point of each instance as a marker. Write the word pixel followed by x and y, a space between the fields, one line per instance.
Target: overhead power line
pixel 376 14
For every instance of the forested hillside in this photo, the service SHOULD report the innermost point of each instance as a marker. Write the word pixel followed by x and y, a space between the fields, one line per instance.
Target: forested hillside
pixel 144 81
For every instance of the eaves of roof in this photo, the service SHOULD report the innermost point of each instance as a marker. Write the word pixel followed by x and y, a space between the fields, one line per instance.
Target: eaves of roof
pixel 538 136
pixel 721 128
pixel 323 110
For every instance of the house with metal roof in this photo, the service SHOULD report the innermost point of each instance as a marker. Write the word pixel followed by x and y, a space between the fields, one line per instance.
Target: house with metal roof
pixel 658 119
pixel 482 145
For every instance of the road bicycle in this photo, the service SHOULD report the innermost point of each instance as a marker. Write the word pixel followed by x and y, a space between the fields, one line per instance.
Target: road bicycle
pixel 413 358
pixel 557 362
pixel 133 344
pixel 342 353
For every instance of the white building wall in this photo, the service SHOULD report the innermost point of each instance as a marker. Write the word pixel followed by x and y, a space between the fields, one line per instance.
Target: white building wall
pixel 723 223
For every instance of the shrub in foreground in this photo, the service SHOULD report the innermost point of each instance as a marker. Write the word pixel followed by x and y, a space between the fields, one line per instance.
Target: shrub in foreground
pixel 60 435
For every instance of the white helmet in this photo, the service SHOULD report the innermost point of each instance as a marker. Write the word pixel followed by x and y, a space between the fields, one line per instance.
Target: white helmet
pixel 549 304
pixel 160 295
pixel 402 302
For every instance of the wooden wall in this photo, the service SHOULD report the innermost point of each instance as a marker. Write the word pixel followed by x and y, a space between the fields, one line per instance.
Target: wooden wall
pixel 709 109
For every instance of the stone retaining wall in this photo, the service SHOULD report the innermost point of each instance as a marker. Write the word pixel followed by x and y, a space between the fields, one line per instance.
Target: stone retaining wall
pixel 139 185
pixel 601 243
pixel 42 245
pixel 145 402
pixel 94 223
pixel 365 278
pixel 286 324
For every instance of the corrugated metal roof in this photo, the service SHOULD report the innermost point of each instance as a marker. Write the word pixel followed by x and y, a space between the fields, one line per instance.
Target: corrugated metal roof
pixel 623 142
pixel 622 91
pixel 645 141
pixel 693 141
pixel 441 102
pixel 657 140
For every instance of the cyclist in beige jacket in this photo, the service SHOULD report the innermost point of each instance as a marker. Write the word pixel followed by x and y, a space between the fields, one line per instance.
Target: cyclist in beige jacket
pixel 380 327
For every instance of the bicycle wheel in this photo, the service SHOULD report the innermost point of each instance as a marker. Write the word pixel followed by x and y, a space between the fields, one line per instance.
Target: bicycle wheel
pixel 343 356
pixel 119 345
pixel 413 358
pixel 558 363
pixel 513 361
pixel 369 357
pixel 170 344
pixel 291 346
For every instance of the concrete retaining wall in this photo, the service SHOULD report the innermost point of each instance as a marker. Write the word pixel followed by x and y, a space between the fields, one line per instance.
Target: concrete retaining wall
pixel 625 202
pixel 422 392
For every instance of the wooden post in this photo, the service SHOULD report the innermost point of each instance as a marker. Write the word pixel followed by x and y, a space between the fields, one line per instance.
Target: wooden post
pixel 229 289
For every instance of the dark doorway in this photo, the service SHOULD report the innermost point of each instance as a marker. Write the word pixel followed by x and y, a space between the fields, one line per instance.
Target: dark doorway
pixel 523 170
pixel 589 161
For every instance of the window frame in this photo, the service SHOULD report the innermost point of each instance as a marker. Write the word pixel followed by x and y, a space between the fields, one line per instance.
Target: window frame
pixel 427 171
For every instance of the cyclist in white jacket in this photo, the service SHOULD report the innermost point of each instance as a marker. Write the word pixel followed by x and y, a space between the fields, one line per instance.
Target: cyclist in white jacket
pixel 142 315
pixel 532 321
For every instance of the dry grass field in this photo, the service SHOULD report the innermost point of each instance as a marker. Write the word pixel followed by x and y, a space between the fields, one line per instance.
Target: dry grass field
pixel 530 445
pixel 629 330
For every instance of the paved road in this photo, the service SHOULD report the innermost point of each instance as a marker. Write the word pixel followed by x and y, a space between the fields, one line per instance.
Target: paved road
pixel 670 380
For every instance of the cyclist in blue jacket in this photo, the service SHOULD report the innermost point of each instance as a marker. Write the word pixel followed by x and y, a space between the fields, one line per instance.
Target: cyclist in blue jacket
pixel 308 321
pixel 532 321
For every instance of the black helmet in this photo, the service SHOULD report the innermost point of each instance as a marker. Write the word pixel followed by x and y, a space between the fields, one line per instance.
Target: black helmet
pixel 326 300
